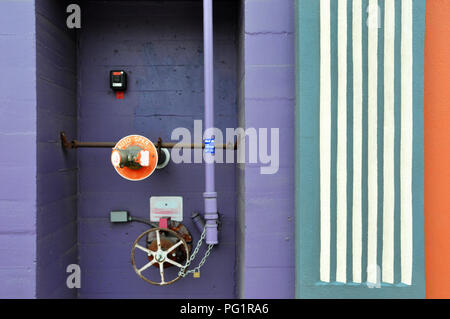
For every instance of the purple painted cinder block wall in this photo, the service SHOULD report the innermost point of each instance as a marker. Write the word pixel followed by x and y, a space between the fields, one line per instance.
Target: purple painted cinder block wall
pixel 160 45
pixel 38 202
pixel 18 144
pixel 267 99
pixel 56 77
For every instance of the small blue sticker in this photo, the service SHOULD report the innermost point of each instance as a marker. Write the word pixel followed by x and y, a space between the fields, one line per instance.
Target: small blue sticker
pixel 210 146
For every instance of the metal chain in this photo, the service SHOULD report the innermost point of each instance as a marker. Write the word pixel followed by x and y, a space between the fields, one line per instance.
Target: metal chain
pixel 183 273
pixel 208 252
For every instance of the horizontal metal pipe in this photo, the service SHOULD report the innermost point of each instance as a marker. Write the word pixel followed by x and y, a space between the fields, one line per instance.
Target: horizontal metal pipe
pixel 77 144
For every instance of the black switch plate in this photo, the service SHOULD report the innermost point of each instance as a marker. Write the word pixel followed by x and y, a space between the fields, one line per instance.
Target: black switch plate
pixel 118 80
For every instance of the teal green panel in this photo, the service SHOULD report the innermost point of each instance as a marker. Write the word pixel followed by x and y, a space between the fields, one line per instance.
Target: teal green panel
pixel 307 153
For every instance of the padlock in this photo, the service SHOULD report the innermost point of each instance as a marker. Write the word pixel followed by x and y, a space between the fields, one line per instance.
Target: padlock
pixel 196 274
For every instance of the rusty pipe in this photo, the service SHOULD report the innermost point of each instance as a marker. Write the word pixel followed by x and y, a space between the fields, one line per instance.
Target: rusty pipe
pixel 67 144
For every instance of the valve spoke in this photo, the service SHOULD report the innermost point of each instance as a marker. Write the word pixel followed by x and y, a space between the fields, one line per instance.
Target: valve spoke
pixel 161 271
pixel 148 251
pixel 174 246
pixel 170 261
pixel 158 240
pixel 146 266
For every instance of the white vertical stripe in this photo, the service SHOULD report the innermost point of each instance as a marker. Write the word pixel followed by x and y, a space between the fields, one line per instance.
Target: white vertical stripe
pixel 357 141
pixel 389 134
pixel 325 139
pixel 341 219
pixel 372 142
pixel 406 143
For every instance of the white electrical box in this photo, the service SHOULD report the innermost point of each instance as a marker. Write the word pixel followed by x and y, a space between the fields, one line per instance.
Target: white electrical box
pixel 165 207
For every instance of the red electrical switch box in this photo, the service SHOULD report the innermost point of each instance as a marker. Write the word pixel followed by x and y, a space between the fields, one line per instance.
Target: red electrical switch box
pixel 118 82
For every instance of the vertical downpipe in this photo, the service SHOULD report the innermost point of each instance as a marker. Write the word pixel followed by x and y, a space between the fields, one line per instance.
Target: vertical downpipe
pixel 210 194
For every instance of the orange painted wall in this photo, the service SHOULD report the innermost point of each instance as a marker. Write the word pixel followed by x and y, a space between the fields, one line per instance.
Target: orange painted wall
pixel 437 148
